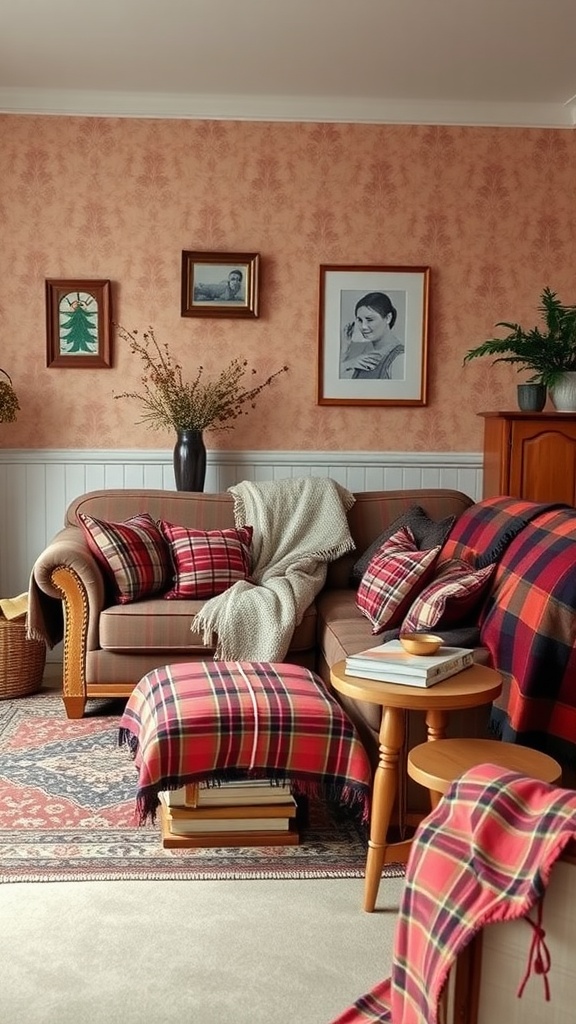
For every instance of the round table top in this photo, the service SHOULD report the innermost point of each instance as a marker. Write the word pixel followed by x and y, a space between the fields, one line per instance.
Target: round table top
pixel 467 689
pixel 436 765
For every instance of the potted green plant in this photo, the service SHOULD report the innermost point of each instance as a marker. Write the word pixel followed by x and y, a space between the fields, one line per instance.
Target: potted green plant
pixel 548 351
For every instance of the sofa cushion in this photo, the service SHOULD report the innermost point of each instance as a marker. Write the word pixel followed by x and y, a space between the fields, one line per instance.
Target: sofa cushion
pixel 395 574
pixel 342 631
pixel 160 626
pixel 451 598
pixel 427 532
pixel 206 562
pixel 133 554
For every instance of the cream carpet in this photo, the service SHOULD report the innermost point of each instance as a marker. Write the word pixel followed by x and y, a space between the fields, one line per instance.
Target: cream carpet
pixel 209 952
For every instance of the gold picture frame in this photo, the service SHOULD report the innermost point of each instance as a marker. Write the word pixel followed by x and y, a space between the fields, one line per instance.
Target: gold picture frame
pixel 220 284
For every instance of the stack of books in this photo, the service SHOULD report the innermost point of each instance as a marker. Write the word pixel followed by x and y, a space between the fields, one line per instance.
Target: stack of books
pixel 251 813
pixel 390 663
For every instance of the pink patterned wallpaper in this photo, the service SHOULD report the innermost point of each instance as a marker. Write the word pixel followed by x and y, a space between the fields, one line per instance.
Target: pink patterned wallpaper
pixel 491 211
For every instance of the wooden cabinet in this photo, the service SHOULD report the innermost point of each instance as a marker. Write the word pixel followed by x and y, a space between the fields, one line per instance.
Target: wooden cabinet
pixel 530 455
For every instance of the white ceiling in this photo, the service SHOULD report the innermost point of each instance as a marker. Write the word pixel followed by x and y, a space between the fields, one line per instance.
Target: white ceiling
pixel 423 61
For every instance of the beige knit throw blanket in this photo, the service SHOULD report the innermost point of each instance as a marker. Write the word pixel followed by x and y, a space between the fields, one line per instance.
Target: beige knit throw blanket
pixel 299 527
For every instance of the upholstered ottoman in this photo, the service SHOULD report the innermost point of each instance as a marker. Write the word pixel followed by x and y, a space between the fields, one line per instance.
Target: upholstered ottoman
pixel 213 721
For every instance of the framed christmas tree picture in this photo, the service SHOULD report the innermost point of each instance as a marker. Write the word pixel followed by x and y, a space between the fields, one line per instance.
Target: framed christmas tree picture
pixel 78 324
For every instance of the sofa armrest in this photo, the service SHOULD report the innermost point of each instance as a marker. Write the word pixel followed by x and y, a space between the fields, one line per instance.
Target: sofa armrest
pixel 66 581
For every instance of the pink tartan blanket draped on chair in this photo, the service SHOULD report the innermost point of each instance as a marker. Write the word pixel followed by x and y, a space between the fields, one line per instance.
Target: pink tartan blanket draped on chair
pixel 210 721
pixel 484 855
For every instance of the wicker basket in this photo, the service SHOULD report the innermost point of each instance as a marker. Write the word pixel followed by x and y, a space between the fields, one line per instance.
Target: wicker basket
pixel 21 660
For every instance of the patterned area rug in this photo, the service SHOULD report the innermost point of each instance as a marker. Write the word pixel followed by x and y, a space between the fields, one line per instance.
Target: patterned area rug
pixel 67 811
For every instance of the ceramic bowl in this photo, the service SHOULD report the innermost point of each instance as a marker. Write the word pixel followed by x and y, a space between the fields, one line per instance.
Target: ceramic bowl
pixel 421 643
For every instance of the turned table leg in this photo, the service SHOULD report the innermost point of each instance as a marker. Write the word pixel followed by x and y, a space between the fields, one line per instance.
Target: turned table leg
pixel 436 722
pixel 383 796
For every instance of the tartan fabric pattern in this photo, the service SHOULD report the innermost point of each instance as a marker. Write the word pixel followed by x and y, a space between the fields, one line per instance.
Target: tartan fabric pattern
pixel 451 597
pixel 204 721
pixel 133 554
pixel 528 622
pixel 395 574
pixel 427 533
pixel 484 855
pixel 483 532
pixel 206 562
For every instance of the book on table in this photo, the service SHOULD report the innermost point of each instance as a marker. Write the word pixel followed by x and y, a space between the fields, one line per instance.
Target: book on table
pixel 390 663
pixel 231 793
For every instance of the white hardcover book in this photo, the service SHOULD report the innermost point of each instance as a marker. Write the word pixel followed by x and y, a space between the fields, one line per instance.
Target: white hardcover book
pixel 390 662
pixel 405 680
pixel 257 791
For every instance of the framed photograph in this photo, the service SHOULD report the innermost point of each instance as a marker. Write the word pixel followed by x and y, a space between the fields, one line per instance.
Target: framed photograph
pixel 220 284
pixel 78 324
pixel 373 335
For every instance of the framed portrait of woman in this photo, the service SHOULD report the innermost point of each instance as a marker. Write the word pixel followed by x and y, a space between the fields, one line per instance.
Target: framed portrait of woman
pixel 373 335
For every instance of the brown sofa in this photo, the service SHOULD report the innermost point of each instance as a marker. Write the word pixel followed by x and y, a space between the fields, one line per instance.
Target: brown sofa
pixel 108 647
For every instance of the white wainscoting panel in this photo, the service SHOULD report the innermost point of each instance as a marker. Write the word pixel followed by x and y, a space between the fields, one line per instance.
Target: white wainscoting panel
pixel 37 486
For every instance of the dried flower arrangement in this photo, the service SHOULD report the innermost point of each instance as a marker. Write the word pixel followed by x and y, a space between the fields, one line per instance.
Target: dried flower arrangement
pixel 9 404
pixel 171 401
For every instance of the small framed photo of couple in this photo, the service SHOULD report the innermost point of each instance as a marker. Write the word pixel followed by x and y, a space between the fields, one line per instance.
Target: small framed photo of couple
pixel 373 335
pixel 223 284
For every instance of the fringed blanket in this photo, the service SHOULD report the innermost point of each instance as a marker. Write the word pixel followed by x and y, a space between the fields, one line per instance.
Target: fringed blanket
pixel 483 532
pixel 209 721
pixel 299 526
pixel 529 620
pixel 484 855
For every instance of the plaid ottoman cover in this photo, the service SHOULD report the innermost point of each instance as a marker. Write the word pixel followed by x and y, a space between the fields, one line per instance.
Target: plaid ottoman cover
pixel 215 720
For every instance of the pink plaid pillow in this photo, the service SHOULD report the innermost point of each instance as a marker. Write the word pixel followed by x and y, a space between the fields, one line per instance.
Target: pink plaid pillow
pixel 395 574
pixel 133 554
pixel 207 562
pixel 451 598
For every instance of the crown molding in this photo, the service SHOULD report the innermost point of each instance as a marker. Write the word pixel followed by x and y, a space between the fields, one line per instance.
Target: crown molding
pixel 286 108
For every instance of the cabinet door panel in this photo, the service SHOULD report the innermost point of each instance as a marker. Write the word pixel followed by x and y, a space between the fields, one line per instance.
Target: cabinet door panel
pixel 543 462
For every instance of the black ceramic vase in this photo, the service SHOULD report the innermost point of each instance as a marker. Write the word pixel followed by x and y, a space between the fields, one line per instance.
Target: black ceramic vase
pixel 190 461
pixel 531 397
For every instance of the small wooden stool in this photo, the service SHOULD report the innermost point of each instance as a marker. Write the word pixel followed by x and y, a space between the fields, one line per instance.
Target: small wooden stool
pixel 436 765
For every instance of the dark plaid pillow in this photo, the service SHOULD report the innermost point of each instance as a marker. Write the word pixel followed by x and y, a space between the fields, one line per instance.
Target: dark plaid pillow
pixel 133 554
pixel 451 597
pixel 395 575
pixel 427 534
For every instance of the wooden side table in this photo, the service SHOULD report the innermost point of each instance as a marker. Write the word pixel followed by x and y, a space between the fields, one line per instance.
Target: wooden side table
pixel 475 686
pixel 436 767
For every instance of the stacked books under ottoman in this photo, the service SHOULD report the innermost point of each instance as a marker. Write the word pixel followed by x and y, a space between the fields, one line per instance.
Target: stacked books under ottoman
pixel 236 813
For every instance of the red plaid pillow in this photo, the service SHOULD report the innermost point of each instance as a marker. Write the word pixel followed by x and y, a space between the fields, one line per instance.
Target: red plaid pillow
pixel 450 598
pixel 133 554
pixel 207 562
pixel 395 574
